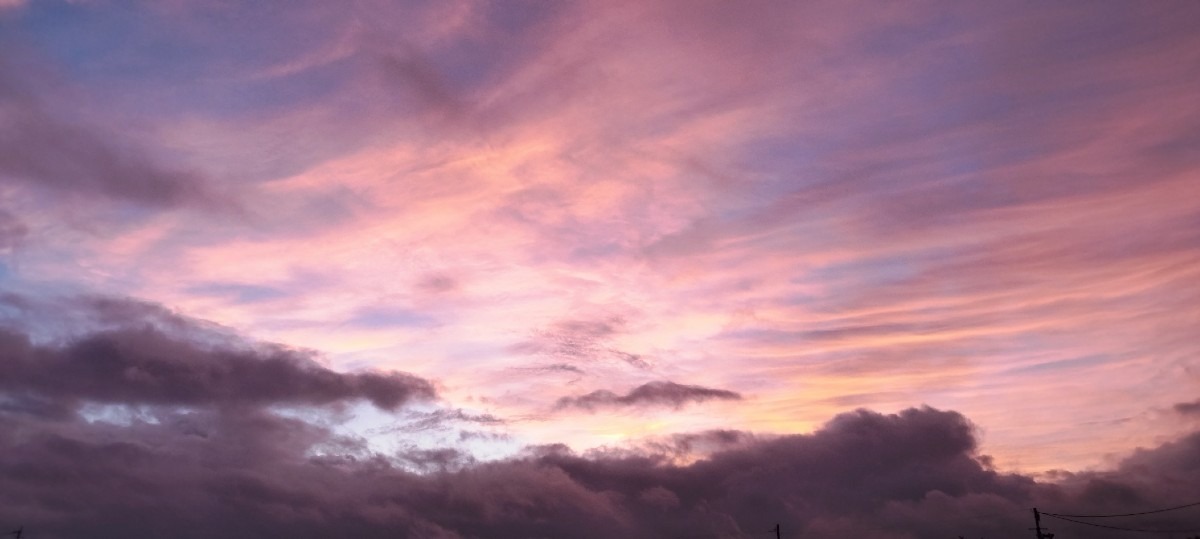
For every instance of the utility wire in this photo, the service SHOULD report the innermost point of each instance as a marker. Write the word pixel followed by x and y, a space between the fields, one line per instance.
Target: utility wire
pixel 1126 514
pixel 1117 527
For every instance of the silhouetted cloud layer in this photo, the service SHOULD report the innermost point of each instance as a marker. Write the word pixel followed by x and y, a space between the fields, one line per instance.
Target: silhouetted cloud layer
pixel 146 366
pixel 649 394
pixel 248 473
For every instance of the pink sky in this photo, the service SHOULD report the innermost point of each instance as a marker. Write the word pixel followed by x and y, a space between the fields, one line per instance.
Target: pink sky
pixel 770 212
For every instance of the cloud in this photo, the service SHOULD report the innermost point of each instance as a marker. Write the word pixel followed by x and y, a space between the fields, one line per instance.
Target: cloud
pixel 554 368
pixel 649 394
pixel 440 419
pixel 1188 408
pixel 250 473
pixel 574 338
pixel 866 196
pixel 12 231
pixel 138 353
pixel 581 339
pixel 147 366
pixel 41 150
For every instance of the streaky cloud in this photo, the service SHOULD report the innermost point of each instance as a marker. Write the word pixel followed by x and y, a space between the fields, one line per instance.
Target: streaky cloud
pixel 42 151
pixel 660 393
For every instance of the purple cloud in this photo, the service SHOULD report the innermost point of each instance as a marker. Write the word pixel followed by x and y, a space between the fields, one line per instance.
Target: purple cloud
pixel 147 366
pixel 649 394
pixel 144 354
pixel 39 149
pixel 1188 408
pixel 581 339
pixel 251 473
pixel 12 230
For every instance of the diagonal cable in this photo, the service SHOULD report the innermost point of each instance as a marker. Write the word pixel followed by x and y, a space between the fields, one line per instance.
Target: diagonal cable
pixel 1127 514
pixel 1117 527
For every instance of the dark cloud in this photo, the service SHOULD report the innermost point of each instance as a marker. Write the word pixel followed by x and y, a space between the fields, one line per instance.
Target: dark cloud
pixel 560 367
pixel 703 443
pixel 147 366
pixel 127 352
pixel 437 283
pixel 1188 408
pixel 250 473
pixel 67 318
pixel 42 150
pixel 649 394
pixel 681 447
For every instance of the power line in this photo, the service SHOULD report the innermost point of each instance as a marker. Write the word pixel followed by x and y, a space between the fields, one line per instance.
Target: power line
pixel 1127 514
pixel 1117 527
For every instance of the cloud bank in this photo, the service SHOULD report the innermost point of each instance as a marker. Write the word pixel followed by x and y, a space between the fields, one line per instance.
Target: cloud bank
pixel 249 473
pixel 154 426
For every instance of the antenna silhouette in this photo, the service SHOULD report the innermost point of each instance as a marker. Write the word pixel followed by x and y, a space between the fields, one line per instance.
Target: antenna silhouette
pixel 17 532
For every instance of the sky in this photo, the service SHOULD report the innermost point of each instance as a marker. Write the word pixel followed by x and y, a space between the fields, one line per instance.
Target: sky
pixel 668 268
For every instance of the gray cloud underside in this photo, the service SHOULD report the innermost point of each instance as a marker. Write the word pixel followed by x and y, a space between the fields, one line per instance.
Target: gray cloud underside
pixel 668 394
pixel 148 365
pixel 249 473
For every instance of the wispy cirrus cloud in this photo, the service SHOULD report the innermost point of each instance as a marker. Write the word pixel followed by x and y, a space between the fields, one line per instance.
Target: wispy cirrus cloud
pixel 39 149
pixel 977 207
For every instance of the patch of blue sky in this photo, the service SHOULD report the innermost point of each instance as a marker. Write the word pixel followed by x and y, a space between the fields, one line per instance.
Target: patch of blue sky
pixel 91 41
pixel 118 414
pixel 105 47
pixel 383 433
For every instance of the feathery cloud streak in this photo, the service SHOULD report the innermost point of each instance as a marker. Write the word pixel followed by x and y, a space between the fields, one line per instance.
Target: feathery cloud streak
pixel 817 207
